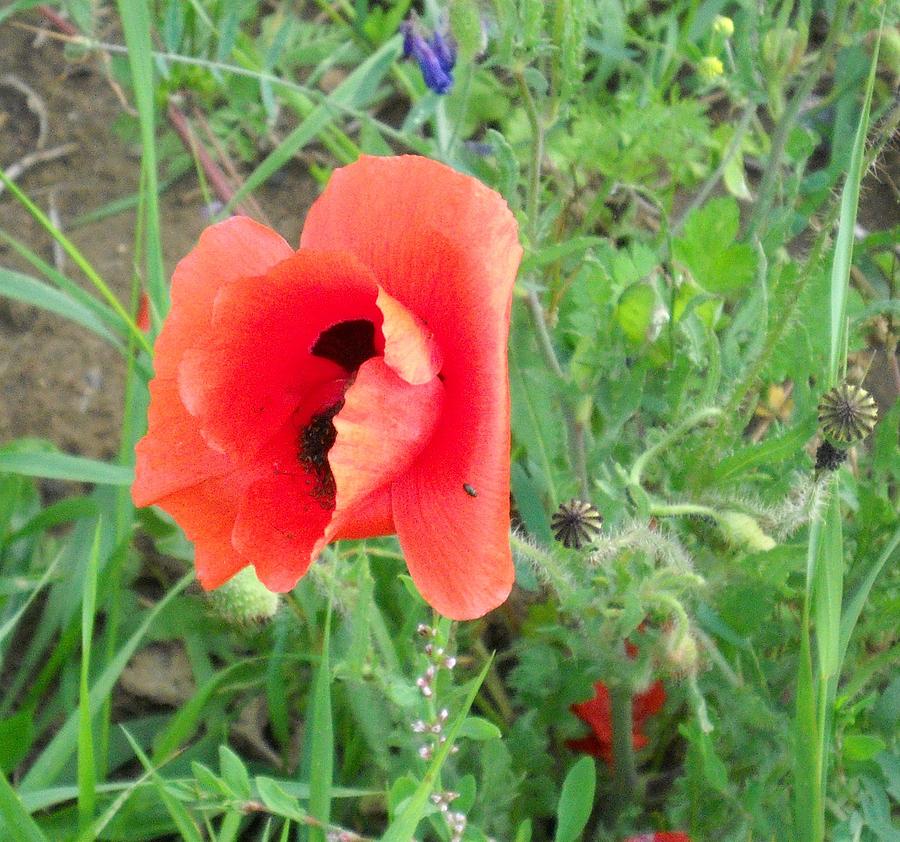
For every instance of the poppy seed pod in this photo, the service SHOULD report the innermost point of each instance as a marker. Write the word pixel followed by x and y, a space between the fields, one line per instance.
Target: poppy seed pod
pixel 576 523
pixel 847 414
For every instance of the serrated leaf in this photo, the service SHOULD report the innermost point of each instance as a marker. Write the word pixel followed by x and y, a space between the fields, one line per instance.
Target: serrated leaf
pixel 709 251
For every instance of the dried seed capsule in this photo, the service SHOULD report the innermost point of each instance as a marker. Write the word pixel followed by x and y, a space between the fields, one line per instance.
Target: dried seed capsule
pixel 576 523
pixel 847 414
pixel 829 457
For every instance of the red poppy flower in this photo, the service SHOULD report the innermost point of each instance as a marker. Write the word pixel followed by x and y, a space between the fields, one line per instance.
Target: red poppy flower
pixel 597 713
pixel 664 836
pixel 355 387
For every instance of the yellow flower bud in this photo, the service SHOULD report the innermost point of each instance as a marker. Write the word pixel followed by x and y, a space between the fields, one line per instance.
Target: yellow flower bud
pixel 710 68
pixel 723 25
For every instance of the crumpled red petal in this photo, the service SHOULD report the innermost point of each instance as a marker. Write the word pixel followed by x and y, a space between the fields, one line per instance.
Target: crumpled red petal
pixel 381 429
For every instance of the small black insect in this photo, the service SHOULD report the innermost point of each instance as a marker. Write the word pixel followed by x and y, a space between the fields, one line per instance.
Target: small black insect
pixel 470 490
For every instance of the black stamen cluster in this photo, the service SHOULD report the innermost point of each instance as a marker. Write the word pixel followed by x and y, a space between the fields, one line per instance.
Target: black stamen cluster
pixel 316 439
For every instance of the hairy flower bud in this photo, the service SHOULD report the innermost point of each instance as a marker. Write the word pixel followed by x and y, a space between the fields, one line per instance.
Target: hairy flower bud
pixel 244 600
pixel 742 531
pixel 682 654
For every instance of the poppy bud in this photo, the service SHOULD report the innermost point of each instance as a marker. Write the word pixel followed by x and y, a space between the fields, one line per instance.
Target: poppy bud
pixel 576 523
pixel 742 531
pixel 847 414
pixel 243 600
pixel 681 653
pixel 710 68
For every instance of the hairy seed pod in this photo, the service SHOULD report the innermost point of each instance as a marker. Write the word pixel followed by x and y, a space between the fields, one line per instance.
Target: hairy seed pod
pixel 576 523
pixel 847 414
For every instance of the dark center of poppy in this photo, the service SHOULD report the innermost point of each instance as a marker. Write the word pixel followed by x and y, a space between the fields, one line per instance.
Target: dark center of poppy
pixel 349 344
pixel 313 444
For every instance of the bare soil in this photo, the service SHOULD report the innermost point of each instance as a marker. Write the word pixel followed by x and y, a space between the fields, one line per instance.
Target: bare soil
pixel 58 381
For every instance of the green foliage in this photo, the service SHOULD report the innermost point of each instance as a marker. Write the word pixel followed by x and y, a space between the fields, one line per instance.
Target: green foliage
pixel 692 282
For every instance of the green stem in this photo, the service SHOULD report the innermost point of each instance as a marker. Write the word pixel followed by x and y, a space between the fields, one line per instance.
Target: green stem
pixel 640 464
pixel 808 82
pixel 681 510
pixel 547 566
pixel 624 769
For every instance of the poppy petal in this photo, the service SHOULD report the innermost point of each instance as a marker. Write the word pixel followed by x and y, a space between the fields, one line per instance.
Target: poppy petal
pixel 257 363
pixel 454 268
pixel 173 455
pixel 207 512
pixel 283 513
pixel 235 248
pixel 409 347
pixel 381 429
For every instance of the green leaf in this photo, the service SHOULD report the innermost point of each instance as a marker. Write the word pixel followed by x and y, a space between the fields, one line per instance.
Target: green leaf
pixel 23 458
pixel 234 772
pixel 278 801
pixel 634 312
pixel 709 251
pixel 476 728
pixel 862 747
pixel 576 801
pixel 18 823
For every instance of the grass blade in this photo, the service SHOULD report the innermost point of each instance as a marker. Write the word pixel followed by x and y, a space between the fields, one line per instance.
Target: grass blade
pixel 18 823
pixel 136 26
pixel 54 757
pixel 348 93
pixel 321 744
pixel 182 818
pixel 31 291
pixel 54 465
pixel 843 246
pixel 87 772
pixel 78 259
pixel 858 600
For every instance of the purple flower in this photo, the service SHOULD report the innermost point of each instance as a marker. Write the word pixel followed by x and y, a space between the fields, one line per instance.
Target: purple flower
pixel 436 55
